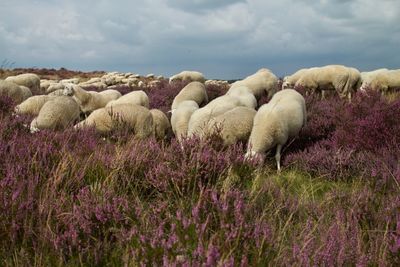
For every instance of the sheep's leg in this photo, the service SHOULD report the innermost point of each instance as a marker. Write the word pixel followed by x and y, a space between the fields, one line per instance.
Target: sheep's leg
pixel 278 157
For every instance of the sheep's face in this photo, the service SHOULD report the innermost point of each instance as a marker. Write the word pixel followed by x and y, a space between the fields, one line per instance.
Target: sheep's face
pixel 33 127
pixel 286 84
pixel 68 90
pixel 255 156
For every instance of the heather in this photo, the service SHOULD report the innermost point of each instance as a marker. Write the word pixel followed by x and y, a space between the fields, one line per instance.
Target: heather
pixel 78 198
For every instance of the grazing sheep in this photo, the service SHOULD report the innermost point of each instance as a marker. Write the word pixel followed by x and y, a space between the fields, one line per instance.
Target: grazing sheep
pixel 26 92
pixel 90 100
pixel 99 85
pixel 259 83
pixel 386 81
pixel 106 119
pixel 15 92
pixel 275 123
pixel 195 91
pixel 188 76
pixel 44 84
pixel 181 116
pixel 234 125
pixel 32 105
pixel 57 113
pixel 58 92
pixel 330 77
pixel 218 106
pixel 290 81
pixel 136 97
pixel 368 76
pixel 30 80
pixel 245 96
pixel 71 80
pixel 161 125
pixel 54 87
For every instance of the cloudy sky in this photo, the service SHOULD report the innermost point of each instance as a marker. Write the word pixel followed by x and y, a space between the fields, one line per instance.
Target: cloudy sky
pixel 221 38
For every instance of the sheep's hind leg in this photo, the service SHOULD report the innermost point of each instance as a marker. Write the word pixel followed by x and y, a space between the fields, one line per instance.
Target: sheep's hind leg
pixel 278 157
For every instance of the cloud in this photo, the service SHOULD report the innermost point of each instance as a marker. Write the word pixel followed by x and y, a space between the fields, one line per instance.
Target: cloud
pixel 223 39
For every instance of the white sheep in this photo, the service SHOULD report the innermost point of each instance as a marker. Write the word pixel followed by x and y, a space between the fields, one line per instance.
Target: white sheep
pixel 54 87
pixel 218 106
pixel 161 124
pixel 136 97
pixel 15 92
pixel 181 116
pixel 44 84
pixel 58 92
pixel 30 80
pixel 71 80
pixel 275 123
pixel 260 83
pixel 290 81
pixel 368 76
pixel 32 105
pixel 134 117
pixel 99 85
pixel 57 113
pixel 90 100
pixel 195 91
pixel 330 77
pixel 234 125
pixel 245 96
pixel 386 81
pixel 26 92
pixel 188 76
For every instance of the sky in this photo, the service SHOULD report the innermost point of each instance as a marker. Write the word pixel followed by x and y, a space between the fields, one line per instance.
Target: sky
pixel 220 38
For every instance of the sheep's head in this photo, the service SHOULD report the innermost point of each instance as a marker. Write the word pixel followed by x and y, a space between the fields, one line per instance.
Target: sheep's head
pixel 33 127
pixel 68 89
pixel 173 79
pixel 255 156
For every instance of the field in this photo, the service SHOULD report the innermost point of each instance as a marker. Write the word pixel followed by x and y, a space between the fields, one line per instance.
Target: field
pixel 78 198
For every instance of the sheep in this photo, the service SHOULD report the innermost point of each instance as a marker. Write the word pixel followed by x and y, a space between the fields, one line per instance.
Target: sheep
pixel 90 100
pixel 259 83
pixel 106 119
pixel 181 116
pixel 330 77
pixel 26 92
pixel 368 76
pixel 386 81
pixel 188 76
pixel 195 91
pixel 290 81
pixel 58 92
pixel 275 123
pixel 71 80
pixel 218 106
pixel 234 125
pixel 32 105
pixel 161 124
pixel 30 80
pixel 15 92
pixel 136 97
pixel 56 113
pixel 245 96
pixel 99 85
pixel 54 87
pixel 44 84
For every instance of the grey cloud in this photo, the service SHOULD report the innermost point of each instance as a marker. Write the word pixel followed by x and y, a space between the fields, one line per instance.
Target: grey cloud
pixel 197 6
pixel 223 39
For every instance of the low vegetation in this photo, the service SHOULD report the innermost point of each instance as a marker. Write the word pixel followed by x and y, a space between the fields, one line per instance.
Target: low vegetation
pixel 78 198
